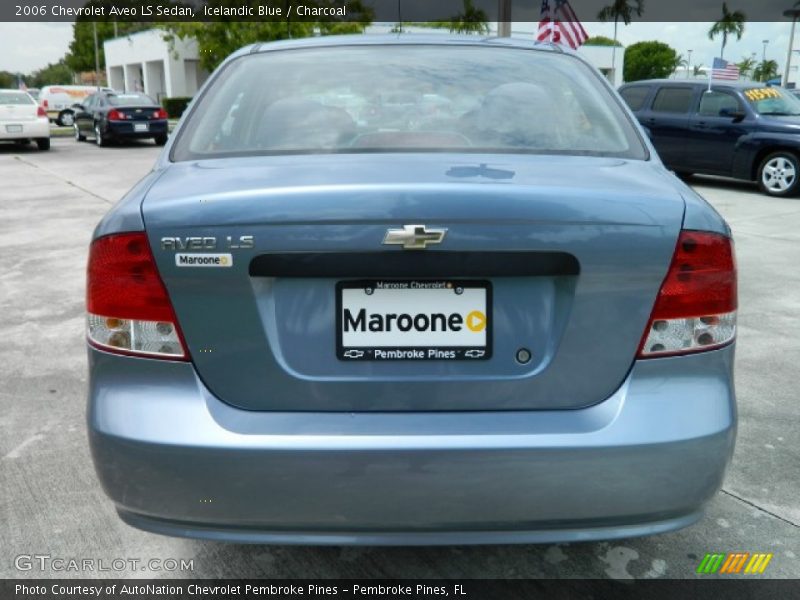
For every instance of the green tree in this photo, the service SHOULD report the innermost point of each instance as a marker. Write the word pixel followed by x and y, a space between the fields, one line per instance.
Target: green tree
pixel 601 40
pixel 53 74
pixel 471 20
pixel 8 80
pixel 697 71
pixel 81 49
pixel 766 70
pixel 620 10
pixel 746 66
pixel 731 23
pixel 649 60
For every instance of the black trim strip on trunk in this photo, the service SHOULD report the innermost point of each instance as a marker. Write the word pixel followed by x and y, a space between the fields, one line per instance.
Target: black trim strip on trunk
pixel 414 263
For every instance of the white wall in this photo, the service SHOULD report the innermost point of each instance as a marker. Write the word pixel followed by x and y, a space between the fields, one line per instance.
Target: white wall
pixel 144 61
pixel 602 56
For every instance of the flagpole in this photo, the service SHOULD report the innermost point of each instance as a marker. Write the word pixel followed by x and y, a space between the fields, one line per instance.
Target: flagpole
pixel 710 77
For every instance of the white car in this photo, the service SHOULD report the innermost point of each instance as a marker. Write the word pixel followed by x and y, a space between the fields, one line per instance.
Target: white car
pixel 22 120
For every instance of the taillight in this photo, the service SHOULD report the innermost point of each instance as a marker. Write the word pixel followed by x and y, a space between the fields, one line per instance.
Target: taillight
pixel 696 307
pixel 129 311
pixel 40 112
pixel 45 103
pixel 115 115
pixel 160 114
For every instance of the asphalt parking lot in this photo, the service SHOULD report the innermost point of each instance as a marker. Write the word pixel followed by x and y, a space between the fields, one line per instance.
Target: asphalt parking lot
pixel 51 503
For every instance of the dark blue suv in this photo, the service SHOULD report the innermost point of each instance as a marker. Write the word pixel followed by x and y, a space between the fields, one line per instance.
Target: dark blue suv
pixel 742 130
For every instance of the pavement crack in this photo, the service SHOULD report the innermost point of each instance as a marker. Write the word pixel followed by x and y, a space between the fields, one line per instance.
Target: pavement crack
pixel 764 510
pixel 67 181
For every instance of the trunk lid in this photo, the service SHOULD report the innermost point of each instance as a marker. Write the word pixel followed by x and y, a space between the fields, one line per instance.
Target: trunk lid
pixel 17 112
pixel 137 113
pixel 582 246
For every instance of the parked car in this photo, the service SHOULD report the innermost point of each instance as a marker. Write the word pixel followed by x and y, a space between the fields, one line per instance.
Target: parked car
pixel 21 120
pixel 743 130
pixel 57 101
pixel 505 322
pixel 114 116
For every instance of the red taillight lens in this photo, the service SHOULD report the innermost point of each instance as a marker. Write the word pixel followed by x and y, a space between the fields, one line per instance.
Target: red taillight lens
pixel 160 114
pixel 45 103
pixel 128 308
pixel 696 306
pixel 40 112
pixel 115 115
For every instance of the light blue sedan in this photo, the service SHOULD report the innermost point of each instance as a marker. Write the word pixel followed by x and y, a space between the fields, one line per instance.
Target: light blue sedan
pixel 410 290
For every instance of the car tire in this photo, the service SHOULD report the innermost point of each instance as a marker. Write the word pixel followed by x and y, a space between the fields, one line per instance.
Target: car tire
pixel 99 138
pixel 43 143
pixel 66 118
pixel 779 174
pixel 79 137
pixel 161 140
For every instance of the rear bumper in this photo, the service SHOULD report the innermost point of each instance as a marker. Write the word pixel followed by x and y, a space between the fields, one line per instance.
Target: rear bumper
pixel 39 128
pixel 125 129
pixel 175 460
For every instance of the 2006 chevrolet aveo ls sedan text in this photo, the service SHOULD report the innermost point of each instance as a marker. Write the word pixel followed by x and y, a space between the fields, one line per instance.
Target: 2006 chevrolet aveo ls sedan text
pixel 423 290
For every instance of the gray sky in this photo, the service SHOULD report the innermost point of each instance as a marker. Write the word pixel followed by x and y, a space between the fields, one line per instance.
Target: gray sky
pixel 25 47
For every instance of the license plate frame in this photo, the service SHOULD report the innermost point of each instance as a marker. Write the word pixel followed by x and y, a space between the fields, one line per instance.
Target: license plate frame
pixel 402 352
pixel 14 128
pixel 141 127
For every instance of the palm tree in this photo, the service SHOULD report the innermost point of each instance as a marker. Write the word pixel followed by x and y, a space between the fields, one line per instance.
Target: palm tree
pixel 746 66
pixel 620 9
pixel 472 20
pixel 697 70
pixel 681 62
pixel 731 23
pixel 766 70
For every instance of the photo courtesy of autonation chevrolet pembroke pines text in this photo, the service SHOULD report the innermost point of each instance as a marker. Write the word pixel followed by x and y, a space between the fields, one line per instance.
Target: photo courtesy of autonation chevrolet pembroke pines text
pixel 376 299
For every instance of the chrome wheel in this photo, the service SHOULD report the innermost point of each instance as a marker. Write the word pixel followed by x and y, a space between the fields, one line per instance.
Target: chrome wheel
pixel 67 119
pixel 98 136
pixel 779 174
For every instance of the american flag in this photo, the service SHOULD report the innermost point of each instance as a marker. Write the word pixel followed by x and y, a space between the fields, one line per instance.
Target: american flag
pixel 560 25
pixel 722 69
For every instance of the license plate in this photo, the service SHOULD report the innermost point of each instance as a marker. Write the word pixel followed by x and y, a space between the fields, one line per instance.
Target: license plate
pixel 141 127
pixel 413 320
pixel 13 128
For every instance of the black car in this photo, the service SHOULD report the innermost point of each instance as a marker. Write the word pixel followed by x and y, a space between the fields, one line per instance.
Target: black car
pixel 109 116
pixel 742 130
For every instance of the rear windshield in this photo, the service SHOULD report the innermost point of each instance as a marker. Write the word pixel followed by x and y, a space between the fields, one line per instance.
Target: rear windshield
pixel 407 98
pixel 15 98
pixel 130 100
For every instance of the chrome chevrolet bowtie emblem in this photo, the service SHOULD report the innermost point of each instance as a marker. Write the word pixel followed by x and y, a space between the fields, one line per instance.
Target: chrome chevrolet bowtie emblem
pixel 414 237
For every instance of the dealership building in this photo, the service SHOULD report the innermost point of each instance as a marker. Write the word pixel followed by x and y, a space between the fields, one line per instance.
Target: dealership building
pixel 146 62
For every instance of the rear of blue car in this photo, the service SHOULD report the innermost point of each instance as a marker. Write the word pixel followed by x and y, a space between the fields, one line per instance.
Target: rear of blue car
pixel 423 292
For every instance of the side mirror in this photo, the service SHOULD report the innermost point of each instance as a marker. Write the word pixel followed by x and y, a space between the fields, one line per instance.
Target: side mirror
pixel 736 115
